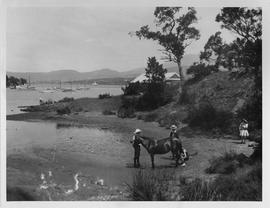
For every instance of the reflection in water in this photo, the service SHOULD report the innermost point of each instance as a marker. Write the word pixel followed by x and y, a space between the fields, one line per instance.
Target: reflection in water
pixel 69 125
pixel 66 161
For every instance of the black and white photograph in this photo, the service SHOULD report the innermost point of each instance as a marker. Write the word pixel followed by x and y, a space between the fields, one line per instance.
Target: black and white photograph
pixel 133 103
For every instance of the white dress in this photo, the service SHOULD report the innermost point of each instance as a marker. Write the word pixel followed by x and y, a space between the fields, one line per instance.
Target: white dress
pixel 244 131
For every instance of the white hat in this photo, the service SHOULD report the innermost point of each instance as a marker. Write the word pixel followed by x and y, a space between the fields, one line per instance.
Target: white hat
pixel 173 127
pixel 137 131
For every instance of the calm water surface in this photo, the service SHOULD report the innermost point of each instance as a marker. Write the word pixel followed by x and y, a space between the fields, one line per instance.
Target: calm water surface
pixel 17 98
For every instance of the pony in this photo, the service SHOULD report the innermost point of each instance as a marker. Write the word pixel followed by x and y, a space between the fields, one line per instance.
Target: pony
pixel 162 146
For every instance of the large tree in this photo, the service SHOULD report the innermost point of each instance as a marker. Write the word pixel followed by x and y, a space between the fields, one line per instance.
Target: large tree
pixel 246 23
pixel 175 32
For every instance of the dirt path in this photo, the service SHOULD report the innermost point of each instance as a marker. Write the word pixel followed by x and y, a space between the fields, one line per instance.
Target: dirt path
pixel 103 168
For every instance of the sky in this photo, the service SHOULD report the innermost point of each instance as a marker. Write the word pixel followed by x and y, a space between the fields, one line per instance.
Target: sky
pixel 42 39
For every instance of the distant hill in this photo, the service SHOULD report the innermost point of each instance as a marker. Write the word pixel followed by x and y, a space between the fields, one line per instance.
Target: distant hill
pixel 73 75
pixel 66 75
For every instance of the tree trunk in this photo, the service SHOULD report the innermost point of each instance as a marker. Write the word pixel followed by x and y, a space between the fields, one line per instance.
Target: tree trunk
pixel 181 74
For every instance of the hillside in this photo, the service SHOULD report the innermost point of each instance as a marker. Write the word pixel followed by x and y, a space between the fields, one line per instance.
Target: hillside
pixel 221 90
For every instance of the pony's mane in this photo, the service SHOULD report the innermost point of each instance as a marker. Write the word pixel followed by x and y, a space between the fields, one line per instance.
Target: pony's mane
pixel 153 139
pixel 147 138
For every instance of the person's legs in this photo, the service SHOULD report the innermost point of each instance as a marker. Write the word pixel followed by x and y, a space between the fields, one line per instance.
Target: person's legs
pixel 137 157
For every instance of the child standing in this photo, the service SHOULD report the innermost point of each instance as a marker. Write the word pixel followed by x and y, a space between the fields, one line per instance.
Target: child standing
pixel 243 131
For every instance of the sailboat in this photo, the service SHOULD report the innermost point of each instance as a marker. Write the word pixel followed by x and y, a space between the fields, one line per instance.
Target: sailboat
pixel 26 87
pixel 68 89
pixel 29 87
pixel 95 83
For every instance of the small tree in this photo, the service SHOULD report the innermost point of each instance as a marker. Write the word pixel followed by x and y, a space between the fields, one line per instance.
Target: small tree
pixel 155 71
pixel 175 33
pixel 154 95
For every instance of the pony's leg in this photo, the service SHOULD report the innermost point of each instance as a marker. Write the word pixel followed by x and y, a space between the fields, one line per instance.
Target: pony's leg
pixel 152 160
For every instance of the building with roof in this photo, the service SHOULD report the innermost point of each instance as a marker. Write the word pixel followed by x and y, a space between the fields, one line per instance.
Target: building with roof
pixel 170 77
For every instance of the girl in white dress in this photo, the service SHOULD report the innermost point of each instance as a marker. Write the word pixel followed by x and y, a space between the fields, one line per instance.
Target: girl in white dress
pixel 243 130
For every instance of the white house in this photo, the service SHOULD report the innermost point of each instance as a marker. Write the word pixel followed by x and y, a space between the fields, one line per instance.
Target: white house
pixel 170 77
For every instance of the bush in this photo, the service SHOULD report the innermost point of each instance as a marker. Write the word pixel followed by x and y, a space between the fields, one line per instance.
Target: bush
pixel 133 88
pixel 150 117
pixel 128 112
pixel 105 95
pixel 172 118
pixel 252 111
pixel 152 98
pixel 200 70
pixel 227 164
pixel 185 98
pixel 245 187
pixel 63 110
pixel 207 117
pixel 108 112
pixel 150 186
pixel 66 99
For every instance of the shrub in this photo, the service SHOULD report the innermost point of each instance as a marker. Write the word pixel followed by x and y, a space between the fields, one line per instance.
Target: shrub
pixel 63 110
pixel 207 117
pixel 66 99
pixel 128 112
pixel 185 98
pixel 150 186
pixel 198 190
pixel 252 111
pixel 152 98
pixel 243 187
pixel 227 164
pixel 151 117
pixel 200 70
pixel 108 112
pixel 105 95
pixel 133 88
pixel 172 118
